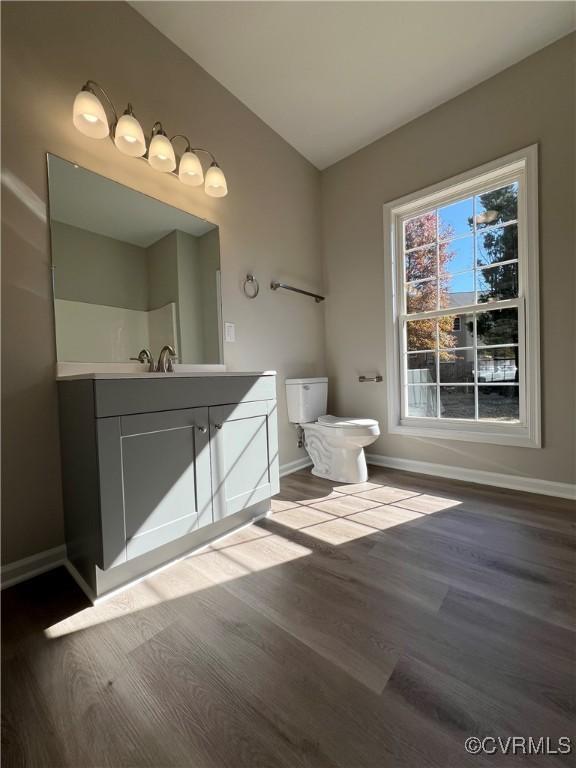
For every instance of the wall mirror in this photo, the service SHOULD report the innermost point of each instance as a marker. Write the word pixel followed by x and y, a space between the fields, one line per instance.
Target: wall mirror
pixel 130 272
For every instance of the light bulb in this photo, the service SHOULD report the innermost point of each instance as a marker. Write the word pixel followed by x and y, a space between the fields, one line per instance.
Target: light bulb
pixel 190 170
pixel 215 184
pixel 129 136
pixel 161 153
pixel 88 115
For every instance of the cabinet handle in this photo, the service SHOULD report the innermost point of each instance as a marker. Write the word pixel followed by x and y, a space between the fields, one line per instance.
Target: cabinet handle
pixel 218 426
pixel 202 429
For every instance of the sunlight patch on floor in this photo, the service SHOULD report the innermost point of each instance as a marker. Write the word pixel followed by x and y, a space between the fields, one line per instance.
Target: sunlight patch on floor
pixel 260 555
pixel 387 494
pixel 345 505
pixel 300 517
pixel 385 517
pixel 353 511
pixel 347 513
pixel 138 598
pixel 339 531
pixel 279 505
pixel 242 554
pixel 427 504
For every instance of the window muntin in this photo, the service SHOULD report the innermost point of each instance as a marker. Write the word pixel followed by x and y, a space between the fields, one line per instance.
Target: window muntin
pixel 462 366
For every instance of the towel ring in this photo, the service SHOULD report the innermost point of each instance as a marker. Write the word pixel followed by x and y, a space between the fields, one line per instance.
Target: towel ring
pixel 251 292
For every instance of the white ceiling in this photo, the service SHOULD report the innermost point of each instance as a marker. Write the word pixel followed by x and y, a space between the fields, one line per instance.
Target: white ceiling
pixel 89 201
pixel 331 77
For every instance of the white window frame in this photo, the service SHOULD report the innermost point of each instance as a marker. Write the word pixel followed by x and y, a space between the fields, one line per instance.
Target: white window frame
pixel 521 166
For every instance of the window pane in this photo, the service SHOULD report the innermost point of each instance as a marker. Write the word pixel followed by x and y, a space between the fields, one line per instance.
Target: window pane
pixel 456 290
pixel 498 403
pixel 456 331
pixel 421 368
pixel 498 364
pixel 497 206
pixel 421 334
pixel 497 326
pixel 498 244
pixel 420 231
pixel 457 255
pixel 421 297
pixel 456 219
pixel 497 283
pixel 421 263
pixel 457 366
pixel 457 403
pixel 421 401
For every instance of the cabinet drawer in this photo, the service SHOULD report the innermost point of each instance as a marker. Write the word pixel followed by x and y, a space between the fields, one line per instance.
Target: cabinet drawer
pixel 141 423
pixel 119 397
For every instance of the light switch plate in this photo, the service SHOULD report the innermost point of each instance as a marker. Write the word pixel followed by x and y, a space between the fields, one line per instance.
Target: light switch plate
pixel 229 332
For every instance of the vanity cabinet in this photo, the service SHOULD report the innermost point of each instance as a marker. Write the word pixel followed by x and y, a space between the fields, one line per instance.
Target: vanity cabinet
pixel 141 472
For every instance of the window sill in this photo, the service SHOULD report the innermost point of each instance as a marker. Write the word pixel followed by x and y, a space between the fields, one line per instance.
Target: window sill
pixel 518 435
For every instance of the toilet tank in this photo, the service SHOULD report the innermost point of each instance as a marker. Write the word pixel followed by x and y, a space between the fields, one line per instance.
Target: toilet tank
pixel 306 399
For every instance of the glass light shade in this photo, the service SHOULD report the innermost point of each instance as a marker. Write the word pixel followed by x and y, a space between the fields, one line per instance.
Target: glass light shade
pixel 161 154
pixel 129 136
pixel 215 184
pixel 190 170
pixel 89 117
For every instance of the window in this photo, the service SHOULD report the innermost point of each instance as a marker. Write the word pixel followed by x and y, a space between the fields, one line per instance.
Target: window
pixel 462 329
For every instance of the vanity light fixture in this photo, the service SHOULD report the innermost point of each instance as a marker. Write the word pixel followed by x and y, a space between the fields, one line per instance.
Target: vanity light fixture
pixel 215 181
pixel 88 114
pixel 190 170
pixel 129 136
pixel 161 152
pixel 90 118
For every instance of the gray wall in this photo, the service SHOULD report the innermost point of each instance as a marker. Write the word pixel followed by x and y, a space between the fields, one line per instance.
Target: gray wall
pixel 209 250
pixel 163 271
pixel 190 298
pixel 268 223
pixel 98 269
pixel 533 101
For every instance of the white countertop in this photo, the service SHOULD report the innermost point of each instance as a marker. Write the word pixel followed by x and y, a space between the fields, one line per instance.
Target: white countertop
pixel 67 371
pixel 159 376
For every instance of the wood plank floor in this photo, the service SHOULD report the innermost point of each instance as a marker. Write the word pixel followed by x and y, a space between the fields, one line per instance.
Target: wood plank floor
pixel 358 627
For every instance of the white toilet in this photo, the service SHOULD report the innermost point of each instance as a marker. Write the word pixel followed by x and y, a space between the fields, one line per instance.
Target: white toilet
pixel 335 445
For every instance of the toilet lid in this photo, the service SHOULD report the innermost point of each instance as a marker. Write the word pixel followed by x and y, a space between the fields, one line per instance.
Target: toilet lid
pixel 342 422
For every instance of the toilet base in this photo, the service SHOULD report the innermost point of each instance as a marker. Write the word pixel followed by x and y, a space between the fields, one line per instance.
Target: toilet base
pixel 345 466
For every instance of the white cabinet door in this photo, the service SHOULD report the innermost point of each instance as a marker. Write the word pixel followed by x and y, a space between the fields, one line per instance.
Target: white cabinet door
pixel 244 455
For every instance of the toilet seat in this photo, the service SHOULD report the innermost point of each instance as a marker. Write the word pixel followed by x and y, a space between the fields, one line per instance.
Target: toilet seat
pixel 341 422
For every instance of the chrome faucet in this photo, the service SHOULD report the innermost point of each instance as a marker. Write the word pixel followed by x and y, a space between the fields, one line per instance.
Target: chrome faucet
pixel 166 359
pixel 145 356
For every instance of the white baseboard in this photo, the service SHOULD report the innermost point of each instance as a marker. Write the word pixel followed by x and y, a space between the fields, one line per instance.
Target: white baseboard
pixel 513 482
pixel 20 570
pixel 294 466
